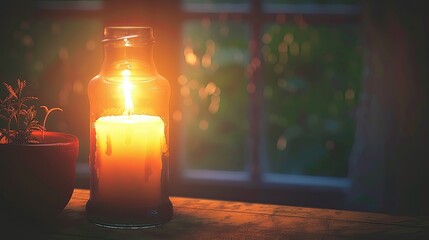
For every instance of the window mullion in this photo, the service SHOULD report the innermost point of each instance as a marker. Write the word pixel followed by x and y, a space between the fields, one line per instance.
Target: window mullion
pixel 255 90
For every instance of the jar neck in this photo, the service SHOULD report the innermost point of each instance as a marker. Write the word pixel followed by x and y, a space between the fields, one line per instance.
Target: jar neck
pixel 137 59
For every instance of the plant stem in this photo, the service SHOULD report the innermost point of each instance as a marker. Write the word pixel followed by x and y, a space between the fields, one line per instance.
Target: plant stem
pixel 48 111
pixel 8 129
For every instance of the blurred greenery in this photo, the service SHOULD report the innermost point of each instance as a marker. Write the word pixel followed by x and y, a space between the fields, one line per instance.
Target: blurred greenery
pixel 312 83
pixel 215 112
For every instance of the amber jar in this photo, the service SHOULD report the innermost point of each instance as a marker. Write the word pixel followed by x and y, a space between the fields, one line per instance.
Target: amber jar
pixel 129 107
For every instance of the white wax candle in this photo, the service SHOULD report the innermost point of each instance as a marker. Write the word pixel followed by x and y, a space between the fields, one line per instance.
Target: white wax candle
pixel 129 159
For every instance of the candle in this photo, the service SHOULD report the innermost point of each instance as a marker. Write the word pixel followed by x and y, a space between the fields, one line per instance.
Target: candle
pixel 129 159
pixel 129 124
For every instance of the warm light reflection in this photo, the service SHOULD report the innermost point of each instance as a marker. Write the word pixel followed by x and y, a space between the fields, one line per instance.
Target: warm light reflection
pixel 127 87
pixel 187 50
pixel 210 47
pixel 256 62
pixel 194 84
pixel 202 93
pixel 300 21
pixel 271 58
pixel 281 143
pixel 217 91
pixel 214 104
pixel 127 42
pixel 282 47
pixel 185 91
pixel 206 61
pixel 182 80
pixel 267 38
pixel 188 101
pixel 349 94
pixel 288 38
pixel 211 88
pixel 190 56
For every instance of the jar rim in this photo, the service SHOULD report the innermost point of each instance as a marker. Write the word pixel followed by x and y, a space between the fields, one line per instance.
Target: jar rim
pixel 116 33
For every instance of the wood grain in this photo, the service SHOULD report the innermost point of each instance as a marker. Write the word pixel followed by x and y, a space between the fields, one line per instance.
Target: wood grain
pixel 213 219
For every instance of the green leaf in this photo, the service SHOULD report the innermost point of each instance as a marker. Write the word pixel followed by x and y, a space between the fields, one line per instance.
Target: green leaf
pixel 32 141
pixel 21 84
pixel 13 108
pixel 24 99
pixel 10 90
pixel 37 127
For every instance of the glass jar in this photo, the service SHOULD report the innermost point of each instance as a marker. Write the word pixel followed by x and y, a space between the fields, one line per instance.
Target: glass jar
pixel 129 107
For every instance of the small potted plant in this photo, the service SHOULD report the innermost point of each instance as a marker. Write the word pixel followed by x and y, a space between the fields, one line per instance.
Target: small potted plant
pixel 37 166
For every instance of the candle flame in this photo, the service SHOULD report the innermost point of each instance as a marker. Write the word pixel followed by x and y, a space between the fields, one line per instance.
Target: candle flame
pixel 127 42
pixel 127 86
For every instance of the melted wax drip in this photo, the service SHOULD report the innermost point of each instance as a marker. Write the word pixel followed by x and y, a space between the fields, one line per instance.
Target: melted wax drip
pixel 109 145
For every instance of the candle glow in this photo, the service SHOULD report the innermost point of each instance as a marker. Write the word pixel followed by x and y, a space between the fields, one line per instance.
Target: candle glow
pixel 129 154
pixel 127 87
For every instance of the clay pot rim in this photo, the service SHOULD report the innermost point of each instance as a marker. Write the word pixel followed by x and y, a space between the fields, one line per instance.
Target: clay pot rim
pixel 51 139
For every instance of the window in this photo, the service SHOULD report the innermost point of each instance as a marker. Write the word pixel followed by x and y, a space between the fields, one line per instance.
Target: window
pixel 268 93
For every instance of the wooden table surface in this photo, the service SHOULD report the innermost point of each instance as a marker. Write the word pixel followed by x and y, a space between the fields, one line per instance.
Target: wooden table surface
pixel 214 219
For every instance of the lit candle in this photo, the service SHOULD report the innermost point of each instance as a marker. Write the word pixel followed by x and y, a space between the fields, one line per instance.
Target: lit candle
pixel 129 155
pixel 129 158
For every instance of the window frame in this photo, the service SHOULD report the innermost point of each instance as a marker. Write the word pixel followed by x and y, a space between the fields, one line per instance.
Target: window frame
pixel 258 179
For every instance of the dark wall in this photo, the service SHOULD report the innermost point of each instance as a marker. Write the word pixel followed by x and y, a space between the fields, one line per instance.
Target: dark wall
pixel 390 162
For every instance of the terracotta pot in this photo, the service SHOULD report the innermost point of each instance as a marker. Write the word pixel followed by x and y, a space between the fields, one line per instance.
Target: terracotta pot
pixel 37 180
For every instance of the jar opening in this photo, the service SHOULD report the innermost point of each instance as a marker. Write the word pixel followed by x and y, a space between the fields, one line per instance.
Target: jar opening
pixel 137 34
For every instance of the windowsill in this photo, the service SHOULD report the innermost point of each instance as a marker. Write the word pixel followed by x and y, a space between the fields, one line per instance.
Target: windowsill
pixel 306 191
pixel 307 181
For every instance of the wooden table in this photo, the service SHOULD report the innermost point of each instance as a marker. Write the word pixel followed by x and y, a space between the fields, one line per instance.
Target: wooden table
pixel 213 219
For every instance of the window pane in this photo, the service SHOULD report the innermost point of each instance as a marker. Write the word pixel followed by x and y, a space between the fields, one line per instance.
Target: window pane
pixel 214 96
pixel 312 83
pixel 312 6
pixel 237 6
